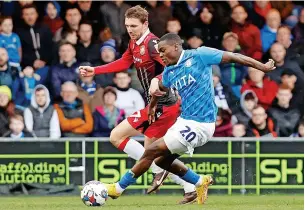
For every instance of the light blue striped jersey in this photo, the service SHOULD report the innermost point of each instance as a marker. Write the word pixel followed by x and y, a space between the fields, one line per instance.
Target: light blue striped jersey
pixel 192 78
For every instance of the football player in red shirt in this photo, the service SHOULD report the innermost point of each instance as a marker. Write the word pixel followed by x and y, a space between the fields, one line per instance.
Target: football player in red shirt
pixel 142 53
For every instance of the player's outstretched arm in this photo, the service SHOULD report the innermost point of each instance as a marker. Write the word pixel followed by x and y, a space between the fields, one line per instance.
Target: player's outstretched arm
pixel 121 64
pixel 229 57
pixel 115 66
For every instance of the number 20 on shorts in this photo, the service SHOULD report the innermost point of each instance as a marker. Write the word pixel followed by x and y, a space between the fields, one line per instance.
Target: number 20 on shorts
pixel 188 134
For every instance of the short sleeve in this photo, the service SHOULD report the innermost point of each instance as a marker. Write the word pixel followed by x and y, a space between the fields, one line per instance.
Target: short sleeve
pixel 165 80
pixel 18 42
pixel 210 56
pixel 1 42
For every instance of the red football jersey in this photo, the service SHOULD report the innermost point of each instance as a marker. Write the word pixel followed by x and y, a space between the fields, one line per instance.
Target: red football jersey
pixel 147 62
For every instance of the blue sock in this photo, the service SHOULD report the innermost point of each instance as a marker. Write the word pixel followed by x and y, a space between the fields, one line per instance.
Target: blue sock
pixel 191 177
pixel 127 179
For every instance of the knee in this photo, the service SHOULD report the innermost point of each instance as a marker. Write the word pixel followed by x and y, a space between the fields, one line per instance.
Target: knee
pixel 115 137
pixel 151 152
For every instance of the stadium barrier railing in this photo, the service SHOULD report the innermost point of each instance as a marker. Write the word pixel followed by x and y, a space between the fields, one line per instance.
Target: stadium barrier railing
pixel 245 165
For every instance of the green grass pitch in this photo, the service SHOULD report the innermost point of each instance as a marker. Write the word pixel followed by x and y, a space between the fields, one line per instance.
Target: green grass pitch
pixel 159 202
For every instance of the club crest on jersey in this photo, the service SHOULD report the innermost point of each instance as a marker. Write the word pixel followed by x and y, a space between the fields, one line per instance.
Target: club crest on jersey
pixel 142 50
pixel 188 63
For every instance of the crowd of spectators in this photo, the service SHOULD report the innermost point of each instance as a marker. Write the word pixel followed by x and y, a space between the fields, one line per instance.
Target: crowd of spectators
pixel 42 44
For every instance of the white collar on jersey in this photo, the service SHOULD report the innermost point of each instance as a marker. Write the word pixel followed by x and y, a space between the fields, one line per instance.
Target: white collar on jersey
pixel 143 37
pixel 180 58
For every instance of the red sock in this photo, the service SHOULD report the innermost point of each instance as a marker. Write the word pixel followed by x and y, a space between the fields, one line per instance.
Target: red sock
pixel 123 144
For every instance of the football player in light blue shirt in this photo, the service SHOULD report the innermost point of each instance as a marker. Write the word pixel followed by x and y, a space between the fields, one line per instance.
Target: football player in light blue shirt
pixel 190 73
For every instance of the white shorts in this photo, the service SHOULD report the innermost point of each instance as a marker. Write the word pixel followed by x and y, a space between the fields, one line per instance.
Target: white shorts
pixel 185 135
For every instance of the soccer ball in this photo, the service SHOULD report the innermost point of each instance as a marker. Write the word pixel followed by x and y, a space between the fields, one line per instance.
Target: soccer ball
pixel 94 193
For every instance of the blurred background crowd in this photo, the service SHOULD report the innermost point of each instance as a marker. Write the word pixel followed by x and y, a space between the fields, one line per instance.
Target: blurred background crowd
pixel 43 43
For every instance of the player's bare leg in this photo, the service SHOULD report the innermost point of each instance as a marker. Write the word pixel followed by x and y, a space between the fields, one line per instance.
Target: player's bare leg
pixel 155 150
pixel 190 194
pixel 121 138
pixel 121 132
pixel 160 175
pixel 171 164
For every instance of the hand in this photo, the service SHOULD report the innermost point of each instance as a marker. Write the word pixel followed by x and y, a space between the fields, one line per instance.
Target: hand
pixel 269 66
pixel 151 113
pixel 86 71
pixel 154 89
pixel 39 64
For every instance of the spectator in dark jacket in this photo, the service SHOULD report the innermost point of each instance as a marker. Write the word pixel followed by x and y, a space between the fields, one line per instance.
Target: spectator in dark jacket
pixel 69 35
pixel 296 85
pixel 90 11
pixel 223 124
pixel 208 24
pixel 36 41
pixel 40 117
pixel 16 125
pixel 16 10
pixel 159 13
pixel 278 53
pixel 72 19
pixel 24 85
pixel 114 17
pixel 298 30
pixel 294 50
pixel 108 54
pixel 248 101
pixel 7 73
pixel 66 70
pixel 187 13
pixel 261 125
pixel 7 109
pixel 248 34
pixel 173 26
pixel 264 88
pixel 108 116
pixel 286 116
pixel 86 49
pixel 233 74
pixel 75 117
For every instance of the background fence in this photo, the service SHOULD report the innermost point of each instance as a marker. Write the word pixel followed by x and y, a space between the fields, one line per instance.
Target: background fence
pixel 238 165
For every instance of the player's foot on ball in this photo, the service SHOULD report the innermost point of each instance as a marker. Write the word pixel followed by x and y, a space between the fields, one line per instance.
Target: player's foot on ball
pixel 158 181
pixel 202 190
pixel 189 198
pixel 112 193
